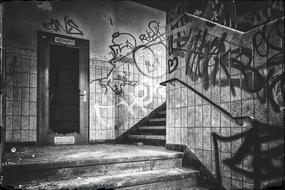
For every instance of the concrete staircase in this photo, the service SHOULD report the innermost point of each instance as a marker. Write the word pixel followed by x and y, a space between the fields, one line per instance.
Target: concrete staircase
pixel 97 167
pixel 151 130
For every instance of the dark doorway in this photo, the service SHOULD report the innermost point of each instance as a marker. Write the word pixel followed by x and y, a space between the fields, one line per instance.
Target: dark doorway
pixel 63 89
pixel 64 93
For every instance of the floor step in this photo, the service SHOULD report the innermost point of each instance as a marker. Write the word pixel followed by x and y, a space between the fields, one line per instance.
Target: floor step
pixel 67 162
pixel 152 127
pixel 157 119
pixel 151 137
pixel 178 178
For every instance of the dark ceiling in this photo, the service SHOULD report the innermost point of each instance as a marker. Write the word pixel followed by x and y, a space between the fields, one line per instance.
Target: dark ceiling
pixel 157 4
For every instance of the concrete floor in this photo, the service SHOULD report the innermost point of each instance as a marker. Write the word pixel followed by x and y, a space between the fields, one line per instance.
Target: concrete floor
pixel 96 166
pixel 74 154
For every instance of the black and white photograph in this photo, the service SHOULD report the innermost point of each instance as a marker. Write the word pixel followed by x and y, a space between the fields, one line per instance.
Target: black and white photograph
pixel 142 94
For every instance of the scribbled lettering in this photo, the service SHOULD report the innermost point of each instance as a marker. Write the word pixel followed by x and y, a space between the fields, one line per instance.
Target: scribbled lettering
pixel 206 56
pixel 153 33
pixel 69 26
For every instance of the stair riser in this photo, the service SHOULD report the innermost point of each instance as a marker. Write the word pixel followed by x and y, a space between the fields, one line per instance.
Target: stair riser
pixel 147 142
pixel 151 132
pixel 15 176
pixel 181 184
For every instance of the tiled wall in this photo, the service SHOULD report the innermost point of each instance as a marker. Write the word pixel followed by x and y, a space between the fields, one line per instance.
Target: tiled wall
pixel 102 105
pixel 138 101
pixel 127 29
pixel 244 84
pixel 114 113
pixel 110 114
pixel 21 95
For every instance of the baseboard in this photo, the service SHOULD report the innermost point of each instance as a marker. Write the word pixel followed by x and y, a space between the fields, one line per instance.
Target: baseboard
pixel 9 145
pixel 105 141
pixel 175 147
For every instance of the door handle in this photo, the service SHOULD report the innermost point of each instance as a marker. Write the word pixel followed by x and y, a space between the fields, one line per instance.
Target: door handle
pixel 84 94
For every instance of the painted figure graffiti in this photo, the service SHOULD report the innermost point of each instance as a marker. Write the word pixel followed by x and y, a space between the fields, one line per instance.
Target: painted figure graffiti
pixel 146 57
pixel 122 45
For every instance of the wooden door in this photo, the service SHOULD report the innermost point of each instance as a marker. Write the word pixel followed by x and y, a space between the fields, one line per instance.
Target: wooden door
pixel 63 89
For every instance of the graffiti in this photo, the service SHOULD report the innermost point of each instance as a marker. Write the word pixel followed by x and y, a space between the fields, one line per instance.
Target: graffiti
pixel 180 22
pixel 203 58
pixel 261 39
pixel 259 14
pixel 176 44
pixel 146 57
pixel 143 95
pixel 121 81
pixel 153 33
pixel 177 11
pixel 172 64
pixel 116 84
pixel 220 11
pixel 265 163
pixel 122 44
pixel 242 15
pixel 206 56
pixel 69 26
pixel 109 19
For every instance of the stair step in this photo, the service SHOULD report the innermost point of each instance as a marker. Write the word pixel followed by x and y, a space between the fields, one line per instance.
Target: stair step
pixel 152 137
pixel 152 127
pixel 66 162
pixel 157 119
pixel 135 179
pixel 40 175
pixel 162 112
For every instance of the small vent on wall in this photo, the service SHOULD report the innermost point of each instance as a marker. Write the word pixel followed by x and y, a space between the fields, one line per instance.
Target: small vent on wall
pixel 64 140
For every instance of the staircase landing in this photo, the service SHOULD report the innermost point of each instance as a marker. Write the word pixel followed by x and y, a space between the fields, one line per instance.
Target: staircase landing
pixel 97 166
pixel 51 156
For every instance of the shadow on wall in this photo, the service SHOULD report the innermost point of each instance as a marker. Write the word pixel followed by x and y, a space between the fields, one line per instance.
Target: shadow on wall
pixel 263 144
pixel 190 160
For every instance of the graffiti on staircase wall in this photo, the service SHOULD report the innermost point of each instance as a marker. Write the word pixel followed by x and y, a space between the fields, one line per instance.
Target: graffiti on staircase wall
pixel 205 56
pixel 242 15
pixel 145 53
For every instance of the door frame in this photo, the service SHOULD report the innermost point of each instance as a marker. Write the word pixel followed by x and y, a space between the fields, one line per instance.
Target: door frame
pixel 45 39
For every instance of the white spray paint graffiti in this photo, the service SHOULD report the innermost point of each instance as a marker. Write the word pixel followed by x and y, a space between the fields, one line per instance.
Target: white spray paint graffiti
pixel 143 96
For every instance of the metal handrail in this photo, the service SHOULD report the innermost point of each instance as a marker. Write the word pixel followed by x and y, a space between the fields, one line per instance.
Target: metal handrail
pixel 238 120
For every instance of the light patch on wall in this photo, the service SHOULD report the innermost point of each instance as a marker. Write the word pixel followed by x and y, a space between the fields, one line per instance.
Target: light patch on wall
pixel 44 5
pixel 143 96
